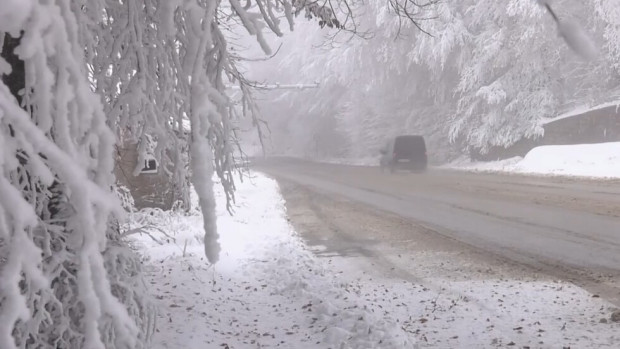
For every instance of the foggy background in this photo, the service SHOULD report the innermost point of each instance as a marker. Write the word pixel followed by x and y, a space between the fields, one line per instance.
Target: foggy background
pixel 486 75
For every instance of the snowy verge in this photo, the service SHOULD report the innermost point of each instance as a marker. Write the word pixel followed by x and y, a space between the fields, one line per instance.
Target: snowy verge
pixel 267 290
pixel 463 163
pixel 368 161
pixel 584 160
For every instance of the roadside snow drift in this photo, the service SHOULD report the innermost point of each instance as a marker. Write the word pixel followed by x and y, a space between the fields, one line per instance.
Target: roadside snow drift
pixel 584 160
pixel 589 160
pixel 267 290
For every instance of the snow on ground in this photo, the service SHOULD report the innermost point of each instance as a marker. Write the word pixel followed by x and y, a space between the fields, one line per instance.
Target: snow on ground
pixel 270 291
pixel 493 313
pixel 367 161
pixel 464 163
pixel 585 160
pixel 267 291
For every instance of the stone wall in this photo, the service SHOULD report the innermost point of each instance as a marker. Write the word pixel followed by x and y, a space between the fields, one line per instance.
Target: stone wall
pixel 596 126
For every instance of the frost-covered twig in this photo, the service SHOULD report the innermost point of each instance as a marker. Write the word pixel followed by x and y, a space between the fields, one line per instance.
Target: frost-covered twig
pixel 145 230
pixel 56 162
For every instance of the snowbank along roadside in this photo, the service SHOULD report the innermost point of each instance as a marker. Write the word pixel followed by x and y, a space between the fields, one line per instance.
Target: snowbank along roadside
pixel 268 290
pixel 584 160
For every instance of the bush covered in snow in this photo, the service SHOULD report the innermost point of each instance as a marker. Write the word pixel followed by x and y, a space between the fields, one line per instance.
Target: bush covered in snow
pixel 77 77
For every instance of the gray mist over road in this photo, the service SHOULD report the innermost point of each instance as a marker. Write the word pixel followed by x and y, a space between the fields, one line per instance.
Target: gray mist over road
pixel 566 227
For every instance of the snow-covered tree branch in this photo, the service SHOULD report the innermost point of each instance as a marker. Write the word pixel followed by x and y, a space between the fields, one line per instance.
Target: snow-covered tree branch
pixel 81 78
pixel 486 77
pixel 57 206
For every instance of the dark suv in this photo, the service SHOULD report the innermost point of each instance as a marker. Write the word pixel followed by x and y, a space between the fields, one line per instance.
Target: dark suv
pixel 404 152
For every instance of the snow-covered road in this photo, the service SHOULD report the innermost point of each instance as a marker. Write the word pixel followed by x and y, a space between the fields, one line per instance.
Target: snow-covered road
pixel 534 220
pixel 271 290
pixel 448 294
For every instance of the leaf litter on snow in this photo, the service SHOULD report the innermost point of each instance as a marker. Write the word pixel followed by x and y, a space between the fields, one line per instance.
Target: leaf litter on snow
pixel 267 291
pixel 270 291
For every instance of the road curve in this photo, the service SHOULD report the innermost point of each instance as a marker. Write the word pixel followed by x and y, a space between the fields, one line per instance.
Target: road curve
pixel 535 220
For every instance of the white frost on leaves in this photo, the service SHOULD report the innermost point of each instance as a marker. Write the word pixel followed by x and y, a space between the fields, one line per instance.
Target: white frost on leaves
pixel 166 87
pixel 98 71
pixel 13 14
pixel 439 85
pixel 79 155
pixel 493 93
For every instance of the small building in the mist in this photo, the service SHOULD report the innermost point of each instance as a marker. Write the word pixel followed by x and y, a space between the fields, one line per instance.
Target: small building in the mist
pixel 151 186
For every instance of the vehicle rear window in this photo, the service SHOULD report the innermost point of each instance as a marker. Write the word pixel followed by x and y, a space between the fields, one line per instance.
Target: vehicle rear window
pixel 409 144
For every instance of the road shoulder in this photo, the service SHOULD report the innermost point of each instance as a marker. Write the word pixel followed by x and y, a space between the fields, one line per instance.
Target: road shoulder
pixel 445 292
